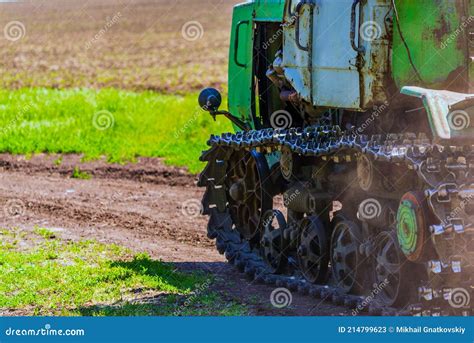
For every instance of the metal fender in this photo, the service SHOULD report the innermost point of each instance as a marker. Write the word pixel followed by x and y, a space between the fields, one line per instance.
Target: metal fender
pixel 450 114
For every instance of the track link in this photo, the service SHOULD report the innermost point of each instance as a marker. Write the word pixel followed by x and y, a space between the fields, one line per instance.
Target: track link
pixel 446 172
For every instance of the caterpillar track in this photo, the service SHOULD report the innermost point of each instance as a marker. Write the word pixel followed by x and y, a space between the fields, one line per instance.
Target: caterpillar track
pixel 435 260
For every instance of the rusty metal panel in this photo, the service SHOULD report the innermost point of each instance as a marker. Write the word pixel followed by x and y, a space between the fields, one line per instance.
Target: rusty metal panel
pixel 374 35
pixel 436 34
pixel 296 62
pixel 336 71
pixel 335 75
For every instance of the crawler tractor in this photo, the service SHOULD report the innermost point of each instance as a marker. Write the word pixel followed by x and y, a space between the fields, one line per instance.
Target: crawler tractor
pixel 350 174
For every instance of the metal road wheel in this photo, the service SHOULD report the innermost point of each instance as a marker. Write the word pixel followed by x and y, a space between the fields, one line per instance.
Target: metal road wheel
pixel 388 269
pixel 346 261
pixel 272 243
pixel 313 250
pixel 249 197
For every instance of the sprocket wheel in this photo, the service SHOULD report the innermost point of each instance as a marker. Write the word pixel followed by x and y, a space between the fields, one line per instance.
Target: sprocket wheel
pixel 272 244
pixel 345 257
pixel 313 250
pixel 248 186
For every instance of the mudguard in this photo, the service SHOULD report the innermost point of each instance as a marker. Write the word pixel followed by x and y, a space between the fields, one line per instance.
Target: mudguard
pixel 450 114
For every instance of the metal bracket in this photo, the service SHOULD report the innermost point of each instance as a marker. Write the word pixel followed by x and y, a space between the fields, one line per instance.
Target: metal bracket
pixel 298 9
pixel 239 123
pixel 359 49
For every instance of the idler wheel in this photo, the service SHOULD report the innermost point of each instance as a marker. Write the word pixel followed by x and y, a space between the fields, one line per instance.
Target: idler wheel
pixel 237 191
pixel 248 186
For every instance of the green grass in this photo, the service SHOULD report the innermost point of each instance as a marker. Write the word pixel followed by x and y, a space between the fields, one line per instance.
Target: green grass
pixel 45 233
pixel 54 277
pixel 58 161
pixel 119 124
pixel 79 174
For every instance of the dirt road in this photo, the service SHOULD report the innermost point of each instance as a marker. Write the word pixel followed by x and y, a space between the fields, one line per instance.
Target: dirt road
pixel 144 206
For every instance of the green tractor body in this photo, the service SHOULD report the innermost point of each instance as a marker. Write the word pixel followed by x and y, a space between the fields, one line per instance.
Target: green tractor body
pixel 359 57
pixel 359 116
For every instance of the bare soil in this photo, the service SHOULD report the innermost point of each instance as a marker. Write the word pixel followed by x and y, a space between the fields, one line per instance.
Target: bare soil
pixel 144 206
pixel 159 45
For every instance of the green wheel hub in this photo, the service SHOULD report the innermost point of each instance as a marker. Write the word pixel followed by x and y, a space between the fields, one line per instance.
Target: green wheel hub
pixel 406 227
pixel 411 225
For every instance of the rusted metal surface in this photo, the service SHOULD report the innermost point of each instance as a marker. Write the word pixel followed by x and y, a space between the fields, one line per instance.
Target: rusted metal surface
pixel 450 114
pixel 332 73
pixel 471 48
pixel 436 37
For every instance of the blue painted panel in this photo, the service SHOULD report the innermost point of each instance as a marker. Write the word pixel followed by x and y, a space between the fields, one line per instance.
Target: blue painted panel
pixel 335 76
pixel 338 76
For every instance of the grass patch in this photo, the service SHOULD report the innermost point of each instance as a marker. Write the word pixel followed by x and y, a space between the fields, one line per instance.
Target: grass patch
pixel 53 277
pixel 58 161
pixel 119 124
pixel 45 233
pixel 79 174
